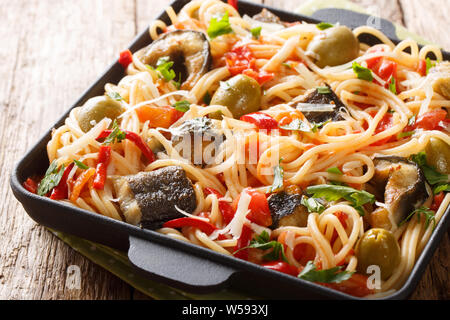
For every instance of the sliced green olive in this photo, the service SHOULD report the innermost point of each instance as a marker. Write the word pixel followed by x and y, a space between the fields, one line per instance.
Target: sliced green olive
pixel 438 155
pixel 380 248
pixel 240 94
pixel 96 109
pixel 333 47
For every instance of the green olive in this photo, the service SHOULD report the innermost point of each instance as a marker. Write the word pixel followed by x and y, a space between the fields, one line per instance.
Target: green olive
pixel 240 94
pixel 333 47
pixel 380 248
pixel 97 108
pixel 438 155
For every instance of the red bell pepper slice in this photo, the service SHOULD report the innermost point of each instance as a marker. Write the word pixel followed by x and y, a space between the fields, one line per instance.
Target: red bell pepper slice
pixel 125 58
pixel 145 149
pixel 233 3
pixel 30 185
pixel 204 226
pixel 104 158
pixel 282 266
pixel 61 191
pixel 225 207
pixel 134 137
pixel 243 241
pixel 261 120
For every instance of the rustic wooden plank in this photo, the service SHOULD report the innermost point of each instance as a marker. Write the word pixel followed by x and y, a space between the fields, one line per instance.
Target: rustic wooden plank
pixel 52 51
pixel 428 19
pixel 83 38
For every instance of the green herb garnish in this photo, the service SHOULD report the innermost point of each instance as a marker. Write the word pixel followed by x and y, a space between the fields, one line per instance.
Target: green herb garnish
pixel 207 98
pixel 405 134
pixel 263 242
pixel 426 212
pixel 357 198
pixel 80 165
pixel 117 135
pixel 430 64
pixel 317 125
pixel 182 105
pixel 392 86
pixel 323 90
pixel 431 174
pixel 333 275
pixel 217 28
pixel 256 32
pixel 334 170
pixel 164 66
pixel 361 72
pixel 299 125
pixel 312 204
pixel 324 25
pixel 51 179
pixel 278 174
pixel 114 96
pixel 441 187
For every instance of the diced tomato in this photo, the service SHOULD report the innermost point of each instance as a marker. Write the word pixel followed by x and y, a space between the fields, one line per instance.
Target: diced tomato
pixel 385 123
pixel 431 119
pixel 125 58
pixel 444 125
pixel 382 67
pixel 259 208
pixel 282 266
pixel 261 76
pixel 355 286
pixel 437 200
pixel 386 69
pixel 373 61
pixel 240 58
pixel 30 185
pixel 303 253
pixel 261 120
pixel 422 67
pixel 159 117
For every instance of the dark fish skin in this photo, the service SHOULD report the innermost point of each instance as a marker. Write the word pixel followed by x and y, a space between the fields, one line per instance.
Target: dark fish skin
pixel 188 49
pixel 324 98
pixel 267 17
pixel 284 206
pixel 197 129
pixel 158 192
pixel 412 195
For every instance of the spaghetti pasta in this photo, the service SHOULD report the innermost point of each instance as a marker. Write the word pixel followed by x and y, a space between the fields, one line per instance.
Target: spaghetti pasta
pixel 387 113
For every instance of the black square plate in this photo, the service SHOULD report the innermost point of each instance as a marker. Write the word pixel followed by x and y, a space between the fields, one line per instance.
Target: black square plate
pixel 176 263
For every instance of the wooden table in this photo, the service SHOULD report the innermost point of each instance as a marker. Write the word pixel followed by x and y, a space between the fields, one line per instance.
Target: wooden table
pixel 51 52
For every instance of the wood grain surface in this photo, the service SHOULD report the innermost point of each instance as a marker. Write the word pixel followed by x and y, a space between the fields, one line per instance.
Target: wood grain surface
pixel 51 52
